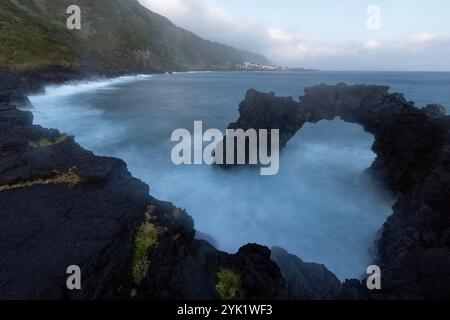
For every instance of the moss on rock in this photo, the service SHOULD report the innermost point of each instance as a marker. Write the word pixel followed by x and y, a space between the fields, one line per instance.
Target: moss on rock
pixel 146 238
pixel 229 284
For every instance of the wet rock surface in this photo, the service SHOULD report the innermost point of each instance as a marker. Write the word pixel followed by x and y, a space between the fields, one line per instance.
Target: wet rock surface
pixel 413 162
pixel 182 267
pixel 61 205
pixel 307 281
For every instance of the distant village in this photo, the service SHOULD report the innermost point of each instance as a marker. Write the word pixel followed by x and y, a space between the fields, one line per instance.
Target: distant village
pixel 249 66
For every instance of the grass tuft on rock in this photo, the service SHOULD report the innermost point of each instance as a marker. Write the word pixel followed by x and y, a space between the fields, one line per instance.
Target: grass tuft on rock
pixel 69 178
pixel 229 284
pixel 45 142
pixel 146 239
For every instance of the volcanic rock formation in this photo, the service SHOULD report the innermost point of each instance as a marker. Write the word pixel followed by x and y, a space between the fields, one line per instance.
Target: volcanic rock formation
pixel 413 161
pixel 61 205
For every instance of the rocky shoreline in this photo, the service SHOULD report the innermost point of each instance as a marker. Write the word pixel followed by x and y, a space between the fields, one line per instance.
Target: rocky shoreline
pixel 61 205
pixel 413 161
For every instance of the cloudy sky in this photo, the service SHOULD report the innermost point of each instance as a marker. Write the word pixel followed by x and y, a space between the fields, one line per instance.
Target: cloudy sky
pixel 324 34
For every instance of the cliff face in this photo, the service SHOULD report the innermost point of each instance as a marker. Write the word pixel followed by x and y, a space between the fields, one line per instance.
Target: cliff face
pixel 116 36
pixel 413 161
pixel 61 205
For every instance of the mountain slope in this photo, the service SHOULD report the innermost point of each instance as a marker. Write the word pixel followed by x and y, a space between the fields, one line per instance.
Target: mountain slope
pixel 116 36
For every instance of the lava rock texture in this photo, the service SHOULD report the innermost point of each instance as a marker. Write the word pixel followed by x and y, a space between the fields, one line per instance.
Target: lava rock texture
pixel 61 205
pixel 413 160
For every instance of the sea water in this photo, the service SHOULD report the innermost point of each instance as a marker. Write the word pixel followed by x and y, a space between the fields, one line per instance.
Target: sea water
pixel 320 206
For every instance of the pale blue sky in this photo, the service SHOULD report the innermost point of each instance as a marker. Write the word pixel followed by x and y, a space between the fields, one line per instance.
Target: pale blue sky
pixel 347 18
pixel 323 34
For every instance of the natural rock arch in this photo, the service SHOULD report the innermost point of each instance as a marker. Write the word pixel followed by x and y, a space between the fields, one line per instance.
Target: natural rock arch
pixel 388 117
pixel 413 160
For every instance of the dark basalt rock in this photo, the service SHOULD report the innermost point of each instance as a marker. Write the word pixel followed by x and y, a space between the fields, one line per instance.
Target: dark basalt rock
pixel 12 88
pixel 306 281
pixel 413 161
pixel 183 268
pixel 61 205
pixel 266 111
pixel 434 111
pixel 203 236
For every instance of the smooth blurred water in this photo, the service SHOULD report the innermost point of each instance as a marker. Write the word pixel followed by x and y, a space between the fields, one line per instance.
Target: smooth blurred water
pixel 319 206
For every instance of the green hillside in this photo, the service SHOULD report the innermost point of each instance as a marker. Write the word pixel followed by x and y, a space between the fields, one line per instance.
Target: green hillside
pixel 116 36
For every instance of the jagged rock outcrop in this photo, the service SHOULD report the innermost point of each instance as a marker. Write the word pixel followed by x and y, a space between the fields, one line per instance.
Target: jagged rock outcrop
pixel 413 161
pixel 307 281
pixel 61 205
pixel 183 268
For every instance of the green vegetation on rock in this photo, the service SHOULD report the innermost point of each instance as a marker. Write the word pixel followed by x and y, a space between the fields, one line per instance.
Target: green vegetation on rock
pixel 146 239
pixel 115 36
pixel 229 284
pixel 69 178
pixel 45 142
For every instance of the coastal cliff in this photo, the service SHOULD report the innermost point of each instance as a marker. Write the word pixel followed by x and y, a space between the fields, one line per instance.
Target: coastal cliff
pixel 61 205
pixel 116 37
